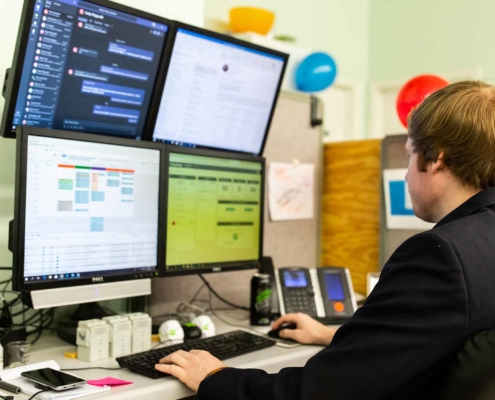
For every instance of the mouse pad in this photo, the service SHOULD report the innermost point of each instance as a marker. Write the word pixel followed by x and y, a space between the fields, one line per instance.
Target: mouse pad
pixel 288 344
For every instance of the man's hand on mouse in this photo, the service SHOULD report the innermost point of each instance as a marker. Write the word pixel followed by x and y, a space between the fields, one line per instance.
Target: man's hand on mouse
pixel 308 330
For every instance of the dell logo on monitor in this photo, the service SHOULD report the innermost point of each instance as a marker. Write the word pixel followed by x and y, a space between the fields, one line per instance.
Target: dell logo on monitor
pixel 97 279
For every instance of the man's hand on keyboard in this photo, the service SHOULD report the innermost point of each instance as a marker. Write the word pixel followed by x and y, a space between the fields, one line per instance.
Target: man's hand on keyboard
pixel 308 330
pixel 189 367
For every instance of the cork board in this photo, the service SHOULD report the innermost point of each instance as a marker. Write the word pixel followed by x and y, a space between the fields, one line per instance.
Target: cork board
pixel 289 243
pixel 351 208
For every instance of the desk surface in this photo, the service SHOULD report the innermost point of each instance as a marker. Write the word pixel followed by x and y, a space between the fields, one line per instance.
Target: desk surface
pixel 271 360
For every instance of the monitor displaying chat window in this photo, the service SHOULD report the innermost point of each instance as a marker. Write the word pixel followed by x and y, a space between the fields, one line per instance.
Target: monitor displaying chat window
pixel 87 66
pixel 219 93
pixel 214 213
pixel 91 210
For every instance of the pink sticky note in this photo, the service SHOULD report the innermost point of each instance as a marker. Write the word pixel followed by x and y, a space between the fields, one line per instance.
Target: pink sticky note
pixel 108 382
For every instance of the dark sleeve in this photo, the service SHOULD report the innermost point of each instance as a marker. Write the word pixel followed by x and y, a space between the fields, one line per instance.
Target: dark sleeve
pixel 248 384
pixel 395 346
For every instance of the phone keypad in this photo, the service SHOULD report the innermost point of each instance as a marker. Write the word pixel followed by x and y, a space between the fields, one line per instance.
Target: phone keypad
pixel 300 300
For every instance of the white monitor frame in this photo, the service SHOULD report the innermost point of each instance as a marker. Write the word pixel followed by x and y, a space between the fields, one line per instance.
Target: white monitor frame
pixel 66 296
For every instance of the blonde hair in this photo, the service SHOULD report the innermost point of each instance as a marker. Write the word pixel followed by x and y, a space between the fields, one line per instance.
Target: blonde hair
pixel 458 120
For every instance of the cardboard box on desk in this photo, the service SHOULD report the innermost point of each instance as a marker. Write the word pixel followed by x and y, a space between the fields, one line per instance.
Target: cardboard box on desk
pixel 120 335
pixel 93 338
pixel 141 331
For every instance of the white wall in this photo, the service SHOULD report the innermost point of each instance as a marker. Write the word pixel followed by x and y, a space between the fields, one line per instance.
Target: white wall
pixel 452 39
pixel 188 11
pixel 408 38
pixel 339 27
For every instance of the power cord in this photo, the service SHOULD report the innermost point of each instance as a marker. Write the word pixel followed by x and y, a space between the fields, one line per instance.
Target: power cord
pixel 84 369
pixel 235 325
pixel 220 297
pixel 6 321
pixel 45 389
pixel 197 294
pixel 39 320
pixel 5 286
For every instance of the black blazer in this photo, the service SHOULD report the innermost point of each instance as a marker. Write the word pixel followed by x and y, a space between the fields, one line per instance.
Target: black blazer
pixel 437 289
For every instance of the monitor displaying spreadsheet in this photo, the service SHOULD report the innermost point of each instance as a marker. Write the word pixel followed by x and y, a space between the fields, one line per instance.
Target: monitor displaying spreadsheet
pixel 91 209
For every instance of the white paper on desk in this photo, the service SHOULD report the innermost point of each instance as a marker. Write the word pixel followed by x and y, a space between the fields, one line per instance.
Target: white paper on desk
pixel 291 191
pixel 28 388
pixel 14 377
pixel 398 205
pixel 14 373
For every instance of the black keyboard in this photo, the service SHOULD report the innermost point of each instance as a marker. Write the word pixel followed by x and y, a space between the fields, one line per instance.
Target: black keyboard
pixel 227 345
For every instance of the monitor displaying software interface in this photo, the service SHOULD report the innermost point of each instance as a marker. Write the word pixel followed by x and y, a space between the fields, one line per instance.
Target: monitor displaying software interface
pixel 88 68
pixel 91 209
pixel 214 211
pixel 217 94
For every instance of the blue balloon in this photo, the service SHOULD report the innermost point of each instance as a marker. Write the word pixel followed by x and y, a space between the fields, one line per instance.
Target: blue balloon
pixel 316 72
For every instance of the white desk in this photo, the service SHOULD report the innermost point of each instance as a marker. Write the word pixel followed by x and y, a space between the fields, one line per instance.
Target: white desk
pixel 271 360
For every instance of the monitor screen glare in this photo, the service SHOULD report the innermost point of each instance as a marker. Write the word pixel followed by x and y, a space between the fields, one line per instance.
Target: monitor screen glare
pixel 88 68
pixel 217 94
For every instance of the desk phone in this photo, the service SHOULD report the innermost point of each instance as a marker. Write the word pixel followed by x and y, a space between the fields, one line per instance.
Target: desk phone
pixel 324 293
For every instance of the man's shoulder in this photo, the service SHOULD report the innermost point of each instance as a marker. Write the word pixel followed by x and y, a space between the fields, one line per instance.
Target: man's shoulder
pixel 470 227
pixel 466 241
pixel 475 225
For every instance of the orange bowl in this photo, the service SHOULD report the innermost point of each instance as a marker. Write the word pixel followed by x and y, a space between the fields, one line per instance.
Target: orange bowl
pixel 251 19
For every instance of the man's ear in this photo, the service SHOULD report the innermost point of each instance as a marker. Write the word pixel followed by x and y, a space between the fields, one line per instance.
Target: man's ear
pixel 438 165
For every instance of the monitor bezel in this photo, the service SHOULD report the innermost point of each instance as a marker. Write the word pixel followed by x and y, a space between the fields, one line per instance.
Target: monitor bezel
pixel 20 209
pixel 156 101
pixel 218 266
pixel 15 72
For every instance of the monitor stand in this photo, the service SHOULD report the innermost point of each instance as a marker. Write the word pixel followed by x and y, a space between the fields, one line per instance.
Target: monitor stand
pixel 67 327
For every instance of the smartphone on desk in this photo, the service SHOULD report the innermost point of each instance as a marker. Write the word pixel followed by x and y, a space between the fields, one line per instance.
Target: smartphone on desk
pixel 324 293
pixel 54 379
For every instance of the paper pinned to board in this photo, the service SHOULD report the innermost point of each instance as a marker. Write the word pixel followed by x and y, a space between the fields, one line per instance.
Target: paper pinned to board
pixel 28 387
pixel 398 205
pixel 291 189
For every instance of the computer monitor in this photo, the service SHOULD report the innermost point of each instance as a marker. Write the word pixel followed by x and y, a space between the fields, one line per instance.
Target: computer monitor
pixel 87 66
pixel 87 223
pixel 214 211
pixel 219 92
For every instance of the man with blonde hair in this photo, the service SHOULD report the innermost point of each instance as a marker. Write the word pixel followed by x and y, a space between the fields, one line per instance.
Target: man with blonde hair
pixel 435 291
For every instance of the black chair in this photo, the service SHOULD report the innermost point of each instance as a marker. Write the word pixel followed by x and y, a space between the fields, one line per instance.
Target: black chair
pixel 472 374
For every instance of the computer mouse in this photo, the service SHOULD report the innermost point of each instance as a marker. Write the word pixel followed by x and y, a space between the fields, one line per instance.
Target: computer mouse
pixel 274 333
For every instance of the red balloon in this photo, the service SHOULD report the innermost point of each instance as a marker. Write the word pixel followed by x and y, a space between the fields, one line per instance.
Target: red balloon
pixel 415 91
